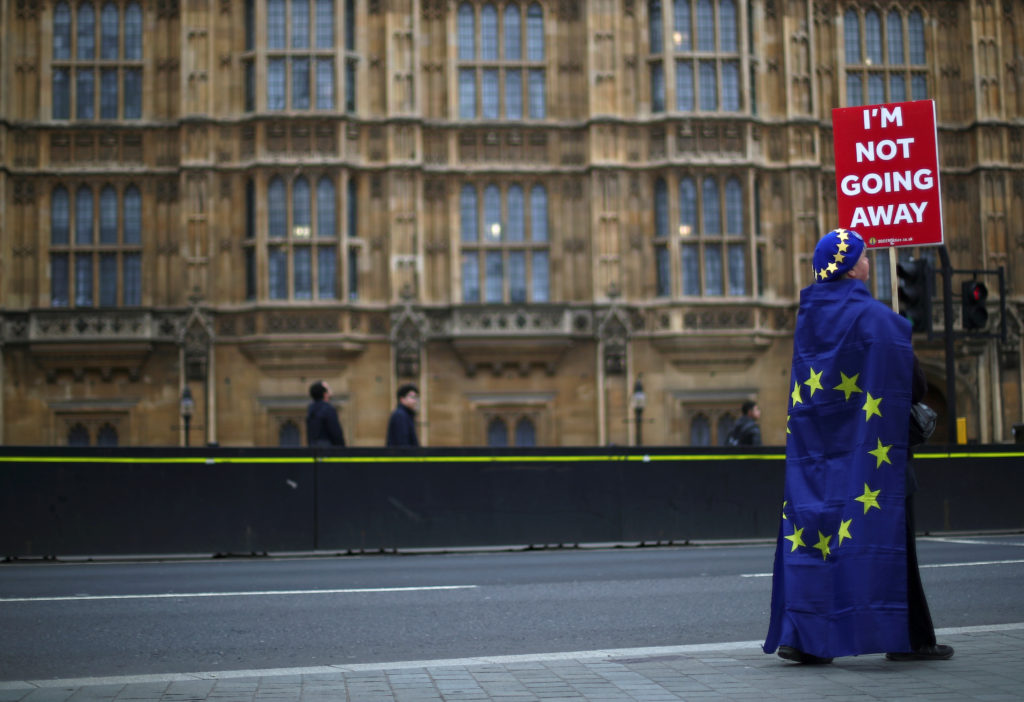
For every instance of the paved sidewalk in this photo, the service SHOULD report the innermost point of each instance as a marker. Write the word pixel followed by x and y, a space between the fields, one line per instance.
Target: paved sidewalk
pixel 988 665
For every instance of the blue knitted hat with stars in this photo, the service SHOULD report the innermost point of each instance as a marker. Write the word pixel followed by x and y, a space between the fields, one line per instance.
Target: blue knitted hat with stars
pixel 836 253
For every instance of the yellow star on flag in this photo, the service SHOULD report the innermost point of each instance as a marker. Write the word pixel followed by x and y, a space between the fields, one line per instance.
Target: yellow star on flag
pixel 796 538
pixel 832 267
pixel 843 247
pixel 881 454
pixel 844 530
pixel 814 381
pixel 849 385
pixel 822 545
pixel 869 498
pixel 784 503
pixel 842 234
pixel 838 258
pixel 796 394
pixel 823 274
pixel 871 407
pixel 787 425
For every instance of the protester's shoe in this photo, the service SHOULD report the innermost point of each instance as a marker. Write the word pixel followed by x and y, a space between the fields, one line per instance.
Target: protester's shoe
pixel 937 652
pixel 793 654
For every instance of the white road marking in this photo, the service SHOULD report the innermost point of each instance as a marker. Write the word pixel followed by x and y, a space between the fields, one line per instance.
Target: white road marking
pixel 603 654
pixel 257 593
pixel 972 542
pixel 966 564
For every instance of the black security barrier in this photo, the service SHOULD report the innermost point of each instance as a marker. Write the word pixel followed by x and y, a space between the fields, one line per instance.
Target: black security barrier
pixel 78 502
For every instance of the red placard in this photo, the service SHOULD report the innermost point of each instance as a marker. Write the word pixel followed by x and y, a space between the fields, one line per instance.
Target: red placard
pixel 887 173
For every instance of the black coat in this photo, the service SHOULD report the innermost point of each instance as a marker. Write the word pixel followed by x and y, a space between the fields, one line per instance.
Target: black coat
pixel 322 426
pixel 402 428
pixel 746 432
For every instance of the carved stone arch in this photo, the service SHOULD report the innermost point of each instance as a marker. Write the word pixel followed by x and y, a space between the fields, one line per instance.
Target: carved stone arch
pixel 195 336
pixel 408 331
pixel 613 331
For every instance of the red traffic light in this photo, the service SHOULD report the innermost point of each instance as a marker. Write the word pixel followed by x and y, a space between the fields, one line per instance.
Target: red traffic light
pixel 973 294
pixel 977 292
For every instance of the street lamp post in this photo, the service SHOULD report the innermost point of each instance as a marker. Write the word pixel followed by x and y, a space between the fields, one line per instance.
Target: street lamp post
pixel 188 406
pixel 639 402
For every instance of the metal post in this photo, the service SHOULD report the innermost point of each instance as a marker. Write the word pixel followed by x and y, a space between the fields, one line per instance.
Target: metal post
pixel 639 401
pixel 187 408
pixel 947 323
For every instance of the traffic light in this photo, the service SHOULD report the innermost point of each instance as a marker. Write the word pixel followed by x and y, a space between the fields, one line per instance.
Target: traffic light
pixel 973 303
pixel 915 293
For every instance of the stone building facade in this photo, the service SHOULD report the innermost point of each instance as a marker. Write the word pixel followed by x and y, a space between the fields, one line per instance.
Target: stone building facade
pixel 522 206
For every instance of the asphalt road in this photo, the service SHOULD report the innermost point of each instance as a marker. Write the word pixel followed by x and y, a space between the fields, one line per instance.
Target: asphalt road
pixel 62 620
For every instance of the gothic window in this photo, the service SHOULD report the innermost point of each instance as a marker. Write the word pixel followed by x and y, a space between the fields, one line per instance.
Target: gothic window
pixel 107 435
pixel 700 45
pixel 355 240
pixel 700 431
pixel 100 262
pixel 504 240
pixel 523 431
pixel 302 239
pixel 78 435
pixel 299 55
pixel 496 78
pixel 526 433
pixel 288 434
pixel 885 56
pixel 497 433
pixel 725 425
pixel 712 242
pixel 96 69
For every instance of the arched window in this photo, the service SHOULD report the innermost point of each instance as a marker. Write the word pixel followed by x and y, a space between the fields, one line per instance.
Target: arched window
pixel 499 62
pixel 288 435
pixel 534 33
pixel 109 31
pixel 86 34
pixel 654 26
pixel 133 32
pixel 60 216
pixel 107 436
pixel 712 216
pixel 902 73
pixel 516 213
pixel 851 36
pixel 538 214
pixel 78 435
pixel 108 215
pixel 700 431
pixel 894 37
pixel 526 434
pixel 663 272
pixel 115 257
pixel 489 33
pixel 728 28
pixel 132 218
pixel 277 209
pixel 468 214
pixel 510 252
pixel 705 26
pixel 466 32
pixel 326 226
pixel 298 262
pixel 725 424
pixel 61 31
pixel 733 207
pixel 513 33
pixel 497 433
pixel 302 216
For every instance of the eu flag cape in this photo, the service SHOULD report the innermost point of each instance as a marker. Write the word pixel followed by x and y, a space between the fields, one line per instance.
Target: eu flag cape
pixel 840 581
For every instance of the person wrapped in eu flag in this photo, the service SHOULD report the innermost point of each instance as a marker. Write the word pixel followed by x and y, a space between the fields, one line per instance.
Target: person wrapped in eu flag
pixel 842 563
